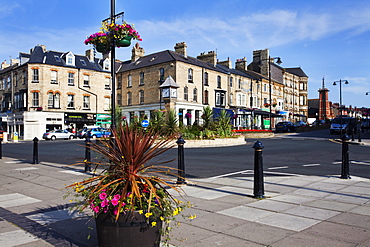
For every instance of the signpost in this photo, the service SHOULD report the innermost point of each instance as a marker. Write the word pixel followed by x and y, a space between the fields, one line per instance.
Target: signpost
pixel 145 123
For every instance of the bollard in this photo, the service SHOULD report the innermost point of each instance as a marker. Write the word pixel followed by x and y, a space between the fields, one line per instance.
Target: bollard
pixel 258 190
pixel 181 164
pixel 35 151
pixel 87 155
pixel 345 158
pixel 359 135
pixel 1 148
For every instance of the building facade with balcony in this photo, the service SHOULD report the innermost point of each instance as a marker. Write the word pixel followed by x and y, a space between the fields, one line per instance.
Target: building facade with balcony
pixel 45 90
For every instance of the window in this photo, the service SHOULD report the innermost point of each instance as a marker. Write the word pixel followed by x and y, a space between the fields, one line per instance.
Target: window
pixel 218 81
pixel 129 98
pixel 106 64
pixel 71 79
pixel 141 97
pixel 161 74
pixel 83 62
pixel 265 87
pixel 71 101
pixel 195 95
pixel 186 96
pixel 24 78
pixel 231 82
pixel 190 75
pixel 86 80
pixel 220 98
pixel 54 77
pixel 8 83
pixel 231 98
pixel 240 84
pixel 57 100
pixel 119 99
pixel 206 97
pixel 141 78
pixel 107 103
pixel 57 58
pixel 206 78
pixel 35 99
pixel 129 81
pixel 3 82
pixel 86 104
pixel 119 81
pixel 50 100
pixel 70 59
pixel 107 83
pixel 302 100
pixel 35 75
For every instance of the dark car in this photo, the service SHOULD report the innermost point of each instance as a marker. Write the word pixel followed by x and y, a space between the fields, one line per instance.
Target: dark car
pixel 285 126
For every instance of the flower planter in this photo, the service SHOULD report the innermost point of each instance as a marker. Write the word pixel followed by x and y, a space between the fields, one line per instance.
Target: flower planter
pixel 103 48
pixel 131 229
pixel 124 42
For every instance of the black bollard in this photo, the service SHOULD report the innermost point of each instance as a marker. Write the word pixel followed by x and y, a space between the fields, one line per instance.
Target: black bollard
pixel 181 164
pixel 35 151
pixel 1 148
pixel 258 190
pixel 345 158
pixel 87 155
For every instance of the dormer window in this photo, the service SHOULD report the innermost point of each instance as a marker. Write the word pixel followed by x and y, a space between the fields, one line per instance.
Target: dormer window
pixel 83 62
pixel 70 59
pixel 106 64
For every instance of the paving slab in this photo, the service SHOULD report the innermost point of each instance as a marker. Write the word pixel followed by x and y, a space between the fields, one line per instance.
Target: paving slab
pixel 311 212
pixel 246 213
pixel 271 205
pixel 331 205
pixel 289 222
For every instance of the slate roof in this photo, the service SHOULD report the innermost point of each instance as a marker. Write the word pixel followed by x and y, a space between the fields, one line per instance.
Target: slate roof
pixel 296 71
pixel 38 56
pixel 165 57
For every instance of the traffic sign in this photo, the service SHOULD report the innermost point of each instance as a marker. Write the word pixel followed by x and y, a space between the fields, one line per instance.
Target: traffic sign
pixel 145 123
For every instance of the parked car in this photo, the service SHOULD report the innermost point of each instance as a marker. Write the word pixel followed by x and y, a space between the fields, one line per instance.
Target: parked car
pixel 58 134
pixel 98 133
pixel 300 124
pixel 318 122
pixel 285 126
pixel 340 124
pixel 82 133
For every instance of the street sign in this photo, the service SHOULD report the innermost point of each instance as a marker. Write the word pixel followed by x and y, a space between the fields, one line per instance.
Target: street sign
pixel 145 123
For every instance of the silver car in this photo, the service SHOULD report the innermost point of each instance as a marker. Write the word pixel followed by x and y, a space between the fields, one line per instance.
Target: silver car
pixel 57 134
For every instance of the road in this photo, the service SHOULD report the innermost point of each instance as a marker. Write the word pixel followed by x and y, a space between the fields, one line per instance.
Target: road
pixel 309 153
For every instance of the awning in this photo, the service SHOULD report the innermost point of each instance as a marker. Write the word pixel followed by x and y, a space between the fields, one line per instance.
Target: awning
pixel 266 113
pixel 299 115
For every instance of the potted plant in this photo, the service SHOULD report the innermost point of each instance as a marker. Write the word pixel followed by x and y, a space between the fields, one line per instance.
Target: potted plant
pixel 266 105
pixel 121 34
pixel 130 198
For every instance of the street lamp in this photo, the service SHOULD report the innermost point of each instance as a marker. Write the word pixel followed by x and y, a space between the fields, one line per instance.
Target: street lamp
pixel 367 93
pixel 278 61
pixel 340 100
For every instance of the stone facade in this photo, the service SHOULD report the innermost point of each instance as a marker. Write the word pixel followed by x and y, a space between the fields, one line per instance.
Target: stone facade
pixel 57 90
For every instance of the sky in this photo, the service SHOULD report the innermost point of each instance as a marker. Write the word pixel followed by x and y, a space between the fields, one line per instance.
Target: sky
pixel 327 39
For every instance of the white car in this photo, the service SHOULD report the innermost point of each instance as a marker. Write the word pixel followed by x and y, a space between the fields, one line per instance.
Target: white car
pixel 57 134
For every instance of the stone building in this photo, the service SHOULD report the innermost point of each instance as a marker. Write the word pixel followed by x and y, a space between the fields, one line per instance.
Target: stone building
pixel 45 90
pixel 174 80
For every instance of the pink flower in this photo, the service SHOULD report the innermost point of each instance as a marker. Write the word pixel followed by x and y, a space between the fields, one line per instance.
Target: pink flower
pixel 102 196
pixel 114 202
pixel 117 197
pixel 115 212
pixel 104 203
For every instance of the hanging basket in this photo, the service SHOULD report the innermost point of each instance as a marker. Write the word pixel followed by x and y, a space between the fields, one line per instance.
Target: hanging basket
pixel 125 42
pixel 102 48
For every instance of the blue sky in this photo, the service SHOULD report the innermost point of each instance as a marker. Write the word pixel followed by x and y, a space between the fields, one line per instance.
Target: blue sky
pixel 325 38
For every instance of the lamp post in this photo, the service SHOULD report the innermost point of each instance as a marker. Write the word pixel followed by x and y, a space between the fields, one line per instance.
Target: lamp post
pixel 340 101
pixel 278 61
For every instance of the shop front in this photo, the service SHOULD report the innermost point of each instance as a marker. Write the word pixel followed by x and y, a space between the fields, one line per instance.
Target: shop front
pixel 79 120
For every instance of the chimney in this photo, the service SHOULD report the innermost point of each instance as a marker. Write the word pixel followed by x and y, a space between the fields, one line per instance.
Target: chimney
pixel 260 59
pixel 241 64
pixel 90 54
pixel 137 52
pixel 226 63
pixel 210 57
pixel 4 65
pixel 14 61
pixel 181 48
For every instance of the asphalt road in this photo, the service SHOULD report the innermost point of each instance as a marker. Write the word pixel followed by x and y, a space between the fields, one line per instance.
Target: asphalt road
pixel 309 153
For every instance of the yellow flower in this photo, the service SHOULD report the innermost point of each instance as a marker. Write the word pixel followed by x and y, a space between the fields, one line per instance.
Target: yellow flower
pixel 192 216
pixel 140 211
pixel 148 215
pixel 161 218
pixel 176 212
pixel 154 223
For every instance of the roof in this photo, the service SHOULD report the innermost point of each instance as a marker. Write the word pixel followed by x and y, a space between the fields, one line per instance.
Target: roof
pixel 169 82
pixel 39 56
pixel 296 71
pixel 165 57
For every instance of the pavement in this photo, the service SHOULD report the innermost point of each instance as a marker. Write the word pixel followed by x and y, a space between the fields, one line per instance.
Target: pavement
pixel 297 210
